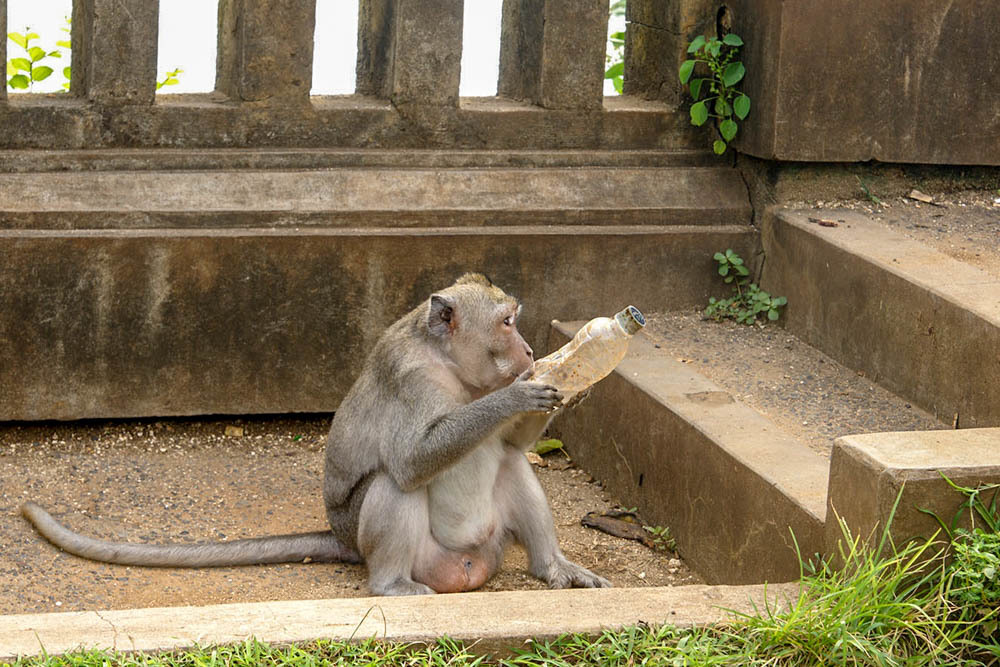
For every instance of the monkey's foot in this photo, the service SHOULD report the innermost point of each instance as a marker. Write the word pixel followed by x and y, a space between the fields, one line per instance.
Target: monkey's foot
pixel 567 574
pixel 401 587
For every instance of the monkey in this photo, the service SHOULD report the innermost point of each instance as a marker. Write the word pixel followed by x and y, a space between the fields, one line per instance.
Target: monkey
pixel 425 478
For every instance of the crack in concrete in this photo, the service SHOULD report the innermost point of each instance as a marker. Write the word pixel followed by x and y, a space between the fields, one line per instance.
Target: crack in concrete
pixel 114 629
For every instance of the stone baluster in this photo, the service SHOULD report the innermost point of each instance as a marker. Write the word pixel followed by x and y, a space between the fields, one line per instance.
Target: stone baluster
pixel 265 50
pixel 656 38
pixel 410 51
pixel 552 52
pixel 114 50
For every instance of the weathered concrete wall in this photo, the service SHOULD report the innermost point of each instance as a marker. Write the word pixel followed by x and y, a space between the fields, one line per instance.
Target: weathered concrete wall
pixel 115 323
pixel 835 81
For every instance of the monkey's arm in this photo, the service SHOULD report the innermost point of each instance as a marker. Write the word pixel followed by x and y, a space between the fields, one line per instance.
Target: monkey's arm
pixel 430 442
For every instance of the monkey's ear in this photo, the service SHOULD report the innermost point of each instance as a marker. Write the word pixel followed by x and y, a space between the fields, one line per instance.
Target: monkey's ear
pixel 441 319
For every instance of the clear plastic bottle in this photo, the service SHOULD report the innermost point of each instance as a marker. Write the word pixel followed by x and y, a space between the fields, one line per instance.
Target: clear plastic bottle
pixel 595 350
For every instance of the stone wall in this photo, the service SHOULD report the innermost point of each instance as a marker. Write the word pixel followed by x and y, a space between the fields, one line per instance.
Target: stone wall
pixel 837 81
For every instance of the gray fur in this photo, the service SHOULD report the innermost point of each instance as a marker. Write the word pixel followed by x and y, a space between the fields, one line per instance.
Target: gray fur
pixel 425 476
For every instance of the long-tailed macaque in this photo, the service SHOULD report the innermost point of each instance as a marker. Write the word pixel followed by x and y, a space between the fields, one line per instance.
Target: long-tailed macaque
pixel 425 479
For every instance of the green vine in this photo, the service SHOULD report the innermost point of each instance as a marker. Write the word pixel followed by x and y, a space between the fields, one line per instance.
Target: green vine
pixel 722 101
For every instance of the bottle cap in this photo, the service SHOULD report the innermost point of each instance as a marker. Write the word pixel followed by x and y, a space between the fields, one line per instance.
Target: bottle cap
pixel 630 319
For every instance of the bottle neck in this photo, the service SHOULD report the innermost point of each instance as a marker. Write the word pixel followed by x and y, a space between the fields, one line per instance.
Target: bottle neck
pixel 630 320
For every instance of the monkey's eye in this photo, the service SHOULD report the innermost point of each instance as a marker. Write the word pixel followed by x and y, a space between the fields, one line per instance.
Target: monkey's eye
pixel 509 320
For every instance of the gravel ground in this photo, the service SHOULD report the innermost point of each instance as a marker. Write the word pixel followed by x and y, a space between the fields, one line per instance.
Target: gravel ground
pixel 964 225
pixel 802 390
pixel 188 481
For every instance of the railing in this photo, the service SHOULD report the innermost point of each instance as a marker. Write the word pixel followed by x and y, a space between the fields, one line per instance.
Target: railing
pixel 409 56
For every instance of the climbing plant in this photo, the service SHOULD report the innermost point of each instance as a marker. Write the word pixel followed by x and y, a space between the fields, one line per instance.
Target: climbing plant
pixel 722 101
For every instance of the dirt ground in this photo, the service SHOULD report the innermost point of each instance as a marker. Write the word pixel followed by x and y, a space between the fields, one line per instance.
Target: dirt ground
pixel 964 225
pixel 187 481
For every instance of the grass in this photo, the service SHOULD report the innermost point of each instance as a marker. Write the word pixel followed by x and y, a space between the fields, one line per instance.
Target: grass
pixel 876 603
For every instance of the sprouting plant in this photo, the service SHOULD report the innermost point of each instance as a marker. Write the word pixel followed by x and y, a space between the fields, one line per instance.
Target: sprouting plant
pixel 170 78
pixel 722 101
pixel 614 60
pixel 662 539
pixel 25 71
pixel 749 301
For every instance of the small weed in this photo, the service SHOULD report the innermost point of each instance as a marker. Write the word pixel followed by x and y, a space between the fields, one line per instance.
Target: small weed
pixel 749 301
pixel 662 539
pixel 868 193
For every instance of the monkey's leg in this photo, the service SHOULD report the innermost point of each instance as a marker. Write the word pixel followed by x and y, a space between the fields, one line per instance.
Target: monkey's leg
pixel 392 526
pixel 526 514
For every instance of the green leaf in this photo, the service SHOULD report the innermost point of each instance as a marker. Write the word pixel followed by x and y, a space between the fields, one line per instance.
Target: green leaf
pixel 720 107
pixel 727 129
pixel 41 73
pixel 22 64
pixel 732 40
pixel 696 88
pixel 18 39
pixel 18 81
pixel 714 47
pixel 66 72
pixel 65 43
pixel 699 113
pixel 11 70
pixel 696 43
pixel 617 82
pixel 685 71
pixel 733 73
pixel 615 70
pixel 543 447
pixel 30 36
pixel 741 106
pixel 37 53
pixel 55 54
pixel 780 301
pixel 773 315
pixel 719 147
pixel 724 270
pixel 742 270
pixel 719 257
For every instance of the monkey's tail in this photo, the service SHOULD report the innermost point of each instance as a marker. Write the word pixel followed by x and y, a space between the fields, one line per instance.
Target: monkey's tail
pixel 319 546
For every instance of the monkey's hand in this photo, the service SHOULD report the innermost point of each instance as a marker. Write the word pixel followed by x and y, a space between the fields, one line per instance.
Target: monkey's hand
pixel 563 573
pixel 528 396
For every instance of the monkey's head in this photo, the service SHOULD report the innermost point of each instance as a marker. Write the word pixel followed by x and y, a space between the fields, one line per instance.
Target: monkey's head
pixel 475 323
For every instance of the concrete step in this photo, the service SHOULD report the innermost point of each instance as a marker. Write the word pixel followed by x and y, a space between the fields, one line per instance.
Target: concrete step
pixel 375 196
pixel 490 623
pixel 173 159
pixel 914 319
pixel 734 485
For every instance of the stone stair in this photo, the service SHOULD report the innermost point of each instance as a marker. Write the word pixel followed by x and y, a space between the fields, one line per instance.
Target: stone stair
pixel 239 281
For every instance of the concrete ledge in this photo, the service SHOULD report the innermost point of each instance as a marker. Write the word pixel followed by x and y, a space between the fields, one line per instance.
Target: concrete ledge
pixel 867 473
pixel 492 621
pixel 374 197
pixel 350 121
pixel 242 321
pixel 916 321
pixel 727 481
pixel 174 159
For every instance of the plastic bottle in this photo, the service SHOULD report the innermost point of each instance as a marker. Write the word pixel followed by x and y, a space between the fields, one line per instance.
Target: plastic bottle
pixel 595 350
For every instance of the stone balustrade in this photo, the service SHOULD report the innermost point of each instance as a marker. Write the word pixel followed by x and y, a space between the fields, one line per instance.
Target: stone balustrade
pixel 408 67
